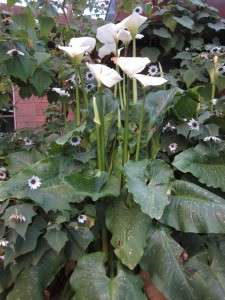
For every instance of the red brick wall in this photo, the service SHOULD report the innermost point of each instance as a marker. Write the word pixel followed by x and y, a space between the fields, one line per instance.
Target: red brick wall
pixel 28 113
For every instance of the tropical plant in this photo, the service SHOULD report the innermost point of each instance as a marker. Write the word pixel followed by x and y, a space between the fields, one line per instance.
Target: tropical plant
pixel 136 181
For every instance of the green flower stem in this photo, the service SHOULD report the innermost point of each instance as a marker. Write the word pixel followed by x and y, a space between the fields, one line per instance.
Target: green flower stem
pixel 99 147
pixel 77 106
pixel 141 123
pixel 126 124
pixel 102 129
pixel 134 80
pixel 83 87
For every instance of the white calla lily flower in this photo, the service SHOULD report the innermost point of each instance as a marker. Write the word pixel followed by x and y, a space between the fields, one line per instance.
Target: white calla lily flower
pixel 133 23
pixel 124 36
pixel 104 75
pixel 131 65
pixel 106 34
pixel 78 46
pixel 107 49
pixel 146 80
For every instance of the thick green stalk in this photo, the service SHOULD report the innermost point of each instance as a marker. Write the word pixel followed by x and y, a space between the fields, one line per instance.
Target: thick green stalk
pixel 134 80
pixel 126 123
pixel 77 106
pixel 102 130
pixel 83 87
pixel 141 124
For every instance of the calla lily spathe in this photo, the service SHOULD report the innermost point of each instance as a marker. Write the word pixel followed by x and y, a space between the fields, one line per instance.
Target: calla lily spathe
pixel 78 46
pixel 109 35
pixel 104 75
pixel 146 80
pixel 131 65
pixel 133 23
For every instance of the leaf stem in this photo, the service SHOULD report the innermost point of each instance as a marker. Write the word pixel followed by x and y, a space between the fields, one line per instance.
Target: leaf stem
pixel 83 87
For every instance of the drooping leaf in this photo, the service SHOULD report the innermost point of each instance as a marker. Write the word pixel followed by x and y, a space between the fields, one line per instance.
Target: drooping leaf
pixel 32 281
pixel 25 210
pixel 41 80
pixel 162 260
pixel 185 21
pixel 129 228
pixel 96 285
pixel 53 194
pixel 56 239
pixel 94 184
pixel 151 52
pixel 17 161
pixel 207 278
pixel 209 170
pixel 194 209
pixel 162 32
pixel 46 25
pixel 149 183
pixel 157 104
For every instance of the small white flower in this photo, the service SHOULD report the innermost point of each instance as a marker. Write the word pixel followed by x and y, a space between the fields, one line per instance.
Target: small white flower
pixel 214 101
pixel 169 126
pixel 221 69
pixel 75 141
pixel 2 258
pixel 3 175
pixel 4 243
pixel 138 10
pixel 212 139
pixel 217 50
pixel 82 219
pixel 90 87
pixel 17 218
pixel 153 70
pixel 89 76
pixel 14 52
pixel 193 124
pixel 187 49
pixel 28 142
pixel 34 182
pixel 61 92
pixel 173 147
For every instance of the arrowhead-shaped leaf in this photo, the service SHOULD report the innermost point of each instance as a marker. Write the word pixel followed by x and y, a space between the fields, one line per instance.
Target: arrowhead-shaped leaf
pixel 149 183
pixel 90 282
pixel 209 170
pixel 129 228
pixel 194 209
pixel 162 261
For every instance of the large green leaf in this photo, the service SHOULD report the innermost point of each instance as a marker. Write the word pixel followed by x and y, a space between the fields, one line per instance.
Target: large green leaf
pixel 209 170
pixel 31 281
pixel 162 261
pixel 17 161
pixel 90 282
pixel 21 67
pixel 194 209
pixel 149 182
pixel 158 103
pixel 94 184
pixel 185 21
pixel 53 194
pixel 129 228
pixel 208 279
pixel 41 80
